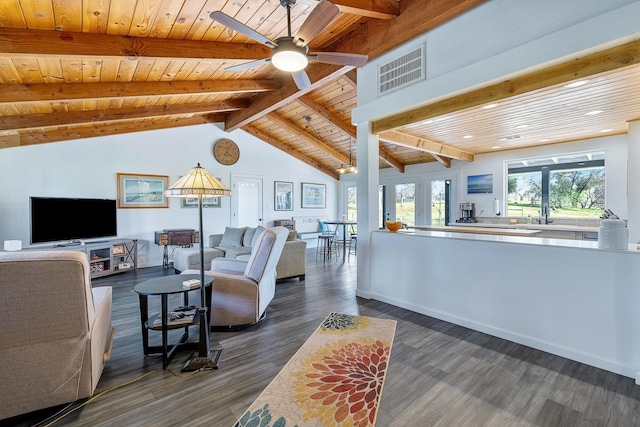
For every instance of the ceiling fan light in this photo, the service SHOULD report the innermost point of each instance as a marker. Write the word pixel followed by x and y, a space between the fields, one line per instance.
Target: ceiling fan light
pixel 289 60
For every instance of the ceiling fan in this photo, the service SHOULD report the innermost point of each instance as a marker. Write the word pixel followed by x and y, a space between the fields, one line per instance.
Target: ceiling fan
pixel 292 53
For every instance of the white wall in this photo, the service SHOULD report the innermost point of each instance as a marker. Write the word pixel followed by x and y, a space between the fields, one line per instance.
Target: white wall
pixel 88 168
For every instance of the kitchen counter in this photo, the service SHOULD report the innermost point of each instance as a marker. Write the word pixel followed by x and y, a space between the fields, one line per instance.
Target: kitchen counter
pixel 566 297
pixel 479 230
pixel 533 226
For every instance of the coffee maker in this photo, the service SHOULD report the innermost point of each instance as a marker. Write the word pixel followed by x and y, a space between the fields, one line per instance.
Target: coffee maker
pixel 468 210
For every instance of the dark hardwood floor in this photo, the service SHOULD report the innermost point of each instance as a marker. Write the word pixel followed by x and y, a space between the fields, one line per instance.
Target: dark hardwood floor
pixel 440 374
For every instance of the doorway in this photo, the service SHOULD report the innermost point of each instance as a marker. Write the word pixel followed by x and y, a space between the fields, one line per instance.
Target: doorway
pixel 246 201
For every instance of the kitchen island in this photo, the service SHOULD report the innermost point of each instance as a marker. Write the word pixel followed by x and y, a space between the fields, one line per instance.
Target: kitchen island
pixel 479 230
pixel 566 297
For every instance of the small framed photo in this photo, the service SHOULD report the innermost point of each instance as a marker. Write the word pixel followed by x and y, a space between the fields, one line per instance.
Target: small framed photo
pixel 283 196
pixel 118 249
pixel 142 191
pixel 207 202
pixel 314 195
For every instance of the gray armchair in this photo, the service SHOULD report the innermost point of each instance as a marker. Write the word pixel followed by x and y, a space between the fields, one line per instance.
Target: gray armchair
pixel 56 332
pixel 242 290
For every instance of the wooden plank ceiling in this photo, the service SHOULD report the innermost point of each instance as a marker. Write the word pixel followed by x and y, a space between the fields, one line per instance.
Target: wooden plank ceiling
pixel 82 68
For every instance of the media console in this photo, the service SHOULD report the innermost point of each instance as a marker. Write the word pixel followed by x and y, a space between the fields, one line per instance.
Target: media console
pixel 106 257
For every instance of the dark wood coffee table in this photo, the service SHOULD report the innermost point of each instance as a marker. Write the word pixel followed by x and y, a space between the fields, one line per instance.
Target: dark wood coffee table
pixel 165 286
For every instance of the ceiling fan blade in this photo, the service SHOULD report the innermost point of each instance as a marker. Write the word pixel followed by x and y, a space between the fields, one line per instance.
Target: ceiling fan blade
pixel 248 65
pixel 318 19
pixel 238 26
pixel 339 58
pixel 301 79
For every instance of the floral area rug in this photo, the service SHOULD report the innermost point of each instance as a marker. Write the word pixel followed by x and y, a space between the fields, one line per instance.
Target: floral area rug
pixel 335 379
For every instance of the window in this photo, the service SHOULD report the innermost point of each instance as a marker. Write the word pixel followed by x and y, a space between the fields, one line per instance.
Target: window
pixel 438 203
pixel 406 203
pixel 352 203
pixel 570 185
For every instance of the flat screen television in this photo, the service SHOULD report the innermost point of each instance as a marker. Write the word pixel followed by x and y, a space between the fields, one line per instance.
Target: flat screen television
pixel 56 219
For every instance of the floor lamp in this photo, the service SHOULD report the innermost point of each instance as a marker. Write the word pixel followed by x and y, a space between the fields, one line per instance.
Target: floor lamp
pixel 199 183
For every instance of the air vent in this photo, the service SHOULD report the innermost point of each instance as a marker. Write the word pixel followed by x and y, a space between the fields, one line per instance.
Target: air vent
pixel 402 71
pixel 510 138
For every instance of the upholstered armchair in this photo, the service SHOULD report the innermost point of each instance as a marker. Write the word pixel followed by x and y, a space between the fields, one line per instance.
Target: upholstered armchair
pixel 56 332
pixel 242 290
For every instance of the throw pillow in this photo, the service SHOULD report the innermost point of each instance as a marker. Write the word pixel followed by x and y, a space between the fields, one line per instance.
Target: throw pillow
pixel 259 230
pixel 232 237
pixel 248 236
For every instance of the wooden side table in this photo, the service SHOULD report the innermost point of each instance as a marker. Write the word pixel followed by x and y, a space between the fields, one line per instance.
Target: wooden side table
pixel 165 286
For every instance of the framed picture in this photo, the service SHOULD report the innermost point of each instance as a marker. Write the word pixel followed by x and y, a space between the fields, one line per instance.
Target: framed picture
pixel 283 196
pixel 480 184
pixel 207 202
pixel 314 195
pixel 118 249
pixel 142 191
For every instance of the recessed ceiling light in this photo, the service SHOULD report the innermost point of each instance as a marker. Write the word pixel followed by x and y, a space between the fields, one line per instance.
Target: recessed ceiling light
pixel 522 126
pixel 486 107
pixel 428 122
pixel 468 136
pixel 577 83
pixel 495 147
pixel 544 140
pixel 593 113
pixel 606 130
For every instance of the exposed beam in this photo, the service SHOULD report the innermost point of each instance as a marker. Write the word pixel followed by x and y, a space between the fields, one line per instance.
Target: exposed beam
pixel 290 150
pixel 375 36
pixel 319 74
pixel 300 133
pixel 423 144
pixel 62 43
pixel 379 9
pixel 600 62
pixel 347 128
pixel 352 78
pixel 323 112
pixel 390 160
pixel 71 91
pixel 104 129
pixel 445 161
pixel 106 115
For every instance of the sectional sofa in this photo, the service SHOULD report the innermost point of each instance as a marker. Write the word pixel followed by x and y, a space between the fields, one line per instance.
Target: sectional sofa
pixel 237 243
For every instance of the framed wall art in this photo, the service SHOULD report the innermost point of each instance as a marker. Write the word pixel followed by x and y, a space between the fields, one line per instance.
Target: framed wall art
pixel 142 191
pixel 480 184
pixel 207 202
pixel 314 195
pixel 282 196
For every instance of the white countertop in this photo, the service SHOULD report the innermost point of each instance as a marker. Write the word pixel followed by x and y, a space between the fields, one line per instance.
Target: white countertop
pixel 533 226
pixel 481 230
pixel 539 241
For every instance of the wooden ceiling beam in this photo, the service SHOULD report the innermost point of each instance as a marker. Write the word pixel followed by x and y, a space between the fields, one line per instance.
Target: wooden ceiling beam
pixel 575 69
pixel 445 161
pixel 390 160
pixel 323 112
pixel 378 9
pixel 114 114
pixel 319 74
pixel 104 129
pixel 348 129
pixel 252 130
pixel 84 91
pixel 423 144
pixel 63 43
pixel 300 133
pixel 375 36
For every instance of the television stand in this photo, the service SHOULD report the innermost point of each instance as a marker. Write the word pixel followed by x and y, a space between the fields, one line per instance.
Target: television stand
pixel 106 257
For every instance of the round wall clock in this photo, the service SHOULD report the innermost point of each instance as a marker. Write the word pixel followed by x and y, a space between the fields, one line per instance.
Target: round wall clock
pixel 226 151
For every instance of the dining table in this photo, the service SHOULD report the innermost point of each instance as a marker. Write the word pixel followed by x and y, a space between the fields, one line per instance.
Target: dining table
pixel 344 225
